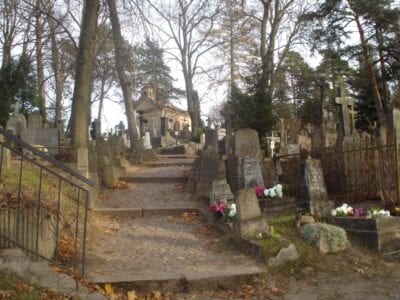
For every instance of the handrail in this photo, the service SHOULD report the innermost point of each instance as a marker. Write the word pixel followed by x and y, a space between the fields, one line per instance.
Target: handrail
pixel 50 159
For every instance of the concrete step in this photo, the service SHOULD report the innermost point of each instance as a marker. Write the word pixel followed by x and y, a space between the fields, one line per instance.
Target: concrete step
pixel 146 212
pixel 186 282
pixel 167 163
pixel 154 179
pixel 175 156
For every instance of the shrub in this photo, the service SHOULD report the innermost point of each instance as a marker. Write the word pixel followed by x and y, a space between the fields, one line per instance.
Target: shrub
pixel 335 236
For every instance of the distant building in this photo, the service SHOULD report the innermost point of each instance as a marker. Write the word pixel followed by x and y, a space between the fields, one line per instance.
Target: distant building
pixel 160 118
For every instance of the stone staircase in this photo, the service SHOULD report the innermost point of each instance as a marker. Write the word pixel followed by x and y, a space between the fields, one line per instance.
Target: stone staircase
pixel 148 235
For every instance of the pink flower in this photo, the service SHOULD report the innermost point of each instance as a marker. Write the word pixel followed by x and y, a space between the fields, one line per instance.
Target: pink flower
pixel 260 191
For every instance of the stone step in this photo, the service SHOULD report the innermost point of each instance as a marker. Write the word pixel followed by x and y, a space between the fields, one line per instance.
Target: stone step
pixel 154 179
pixel 146 212
pixel 181 162
pixel 186 282
pixel 164 253
pixel 175 156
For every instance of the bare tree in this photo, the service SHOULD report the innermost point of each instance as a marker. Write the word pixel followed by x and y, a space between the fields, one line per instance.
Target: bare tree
pixel 280 18
pixel 189 25
pixel 120 55
pixel 84 72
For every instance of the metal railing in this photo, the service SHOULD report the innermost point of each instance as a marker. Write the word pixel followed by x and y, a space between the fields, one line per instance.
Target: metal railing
pixel 43 205
pixel 361 171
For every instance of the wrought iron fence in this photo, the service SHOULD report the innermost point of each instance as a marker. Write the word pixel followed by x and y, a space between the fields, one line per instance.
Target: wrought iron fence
pixel 360 171
pixel 43 205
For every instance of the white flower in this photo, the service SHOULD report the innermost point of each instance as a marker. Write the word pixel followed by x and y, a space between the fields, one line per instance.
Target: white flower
pixel 232 210
pixel 333 212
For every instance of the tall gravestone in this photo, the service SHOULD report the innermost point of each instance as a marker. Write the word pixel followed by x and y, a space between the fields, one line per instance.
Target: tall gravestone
pixel 250 221
pixel 35 121
pixel 36 135
pixel 6 155
pixel 314 197
pixel 211 141
pixel 251 172
pixel 246 143
pixel 243 167
pixel 17 124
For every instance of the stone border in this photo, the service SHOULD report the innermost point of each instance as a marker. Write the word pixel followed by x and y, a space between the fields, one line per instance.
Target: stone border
pixel 380 234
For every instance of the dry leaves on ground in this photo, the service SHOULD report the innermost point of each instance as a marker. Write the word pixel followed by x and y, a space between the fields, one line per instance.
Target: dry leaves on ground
pixel 189 216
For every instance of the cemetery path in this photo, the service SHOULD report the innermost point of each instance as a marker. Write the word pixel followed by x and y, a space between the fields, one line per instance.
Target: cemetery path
pixel 163 248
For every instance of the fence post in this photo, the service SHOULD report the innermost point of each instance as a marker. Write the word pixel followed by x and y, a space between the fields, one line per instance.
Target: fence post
pixel 396 128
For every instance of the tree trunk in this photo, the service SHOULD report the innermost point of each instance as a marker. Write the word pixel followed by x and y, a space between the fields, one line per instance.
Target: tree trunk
pixel 123 78
pixel 101 103
pixel 39 62
pixel 58 76
pixel 383 129
pixel 83 77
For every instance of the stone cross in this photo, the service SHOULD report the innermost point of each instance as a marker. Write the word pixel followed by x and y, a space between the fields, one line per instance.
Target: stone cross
pixel 209 122
pixel 271 141
pixel 347 114
pixel 17 108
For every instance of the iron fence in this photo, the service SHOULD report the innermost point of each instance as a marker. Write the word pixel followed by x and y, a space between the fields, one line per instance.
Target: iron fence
pixel 43 205
pixel 360 171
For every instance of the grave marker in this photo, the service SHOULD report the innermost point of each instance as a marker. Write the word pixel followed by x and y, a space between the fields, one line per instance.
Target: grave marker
pixel 314 197
pixel 250 220
pixel 246 143
pixel 251 172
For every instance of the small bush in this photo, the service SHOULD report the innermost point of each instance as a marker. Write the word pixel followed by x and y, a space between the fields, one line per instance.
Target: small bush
pixel 335 236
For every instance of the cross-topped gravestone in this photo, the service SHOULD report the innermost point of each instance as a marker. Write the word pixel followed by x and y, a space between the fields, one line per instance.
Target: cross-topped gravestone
pixel 347 111
pixel 272 141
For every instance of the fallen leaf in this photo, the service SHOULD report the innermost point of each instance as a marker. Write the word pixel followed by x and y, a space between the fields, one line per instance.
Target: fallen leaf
pixel 359 270
pixel 109 289
pixel 132 295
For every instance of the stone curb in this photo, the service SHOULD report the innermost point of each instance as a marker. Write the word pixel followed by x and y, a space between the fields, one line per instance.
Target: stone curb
pixel 167 164
pixel 142 179
pixel 184 282
pixel 146 212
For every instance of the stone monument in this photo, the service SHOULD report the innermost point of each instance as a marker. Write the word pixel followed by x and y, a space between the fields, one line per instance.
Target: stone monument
pixel 314 197
pixel 16 122
pixel 250 221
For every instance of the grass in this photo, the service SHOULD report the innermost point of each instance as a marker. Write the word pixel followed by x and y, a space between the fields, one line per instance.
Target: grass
pixel 12 287
pixel 284 233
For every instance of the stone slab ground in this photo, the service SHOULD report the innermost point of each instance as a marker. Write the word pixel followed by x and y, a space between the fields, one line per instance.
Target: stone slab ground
pixel 140 237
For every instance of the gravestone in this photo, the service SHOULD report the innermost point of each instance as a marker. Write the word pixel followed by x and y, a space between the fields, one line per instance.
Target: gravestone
pixel 314 197
pixel 246 143
pixel 273 141
pixel 250 221
pixel 147 141
pixel 293 149
pixel 83 161
pixel 347 113
pixel 43 137
pixel 211 141
pixel 35 121
pixel 202 140
pixel 17 124
pixel 220 189
pixel 251 172
pixel 207 173
pixel 6 156
pixel 243 168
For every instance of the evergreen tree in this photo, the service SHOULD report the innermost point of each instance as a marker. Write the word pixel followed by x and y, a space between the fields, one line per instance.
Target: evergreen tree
pixel 150 69
pixel 18 83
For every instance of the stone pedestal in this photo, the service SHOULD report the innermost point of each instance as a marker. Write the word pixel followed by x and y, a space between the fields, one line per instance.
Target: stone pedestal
pixel 250 220
pixel 380 234
pixel 83 161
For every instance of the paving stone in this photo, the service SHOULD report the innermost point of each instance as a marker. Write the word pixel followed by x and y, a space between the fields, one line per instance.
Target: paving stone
pixel 162 249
